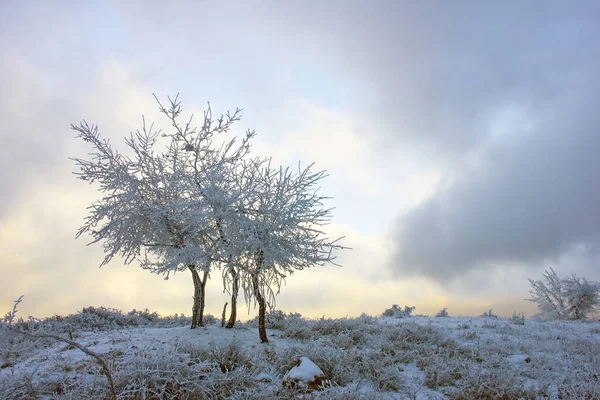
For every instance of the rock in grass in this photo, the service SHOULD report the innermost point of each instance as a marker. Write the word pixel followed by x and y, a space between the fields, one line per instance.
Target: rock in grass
pixel 305 375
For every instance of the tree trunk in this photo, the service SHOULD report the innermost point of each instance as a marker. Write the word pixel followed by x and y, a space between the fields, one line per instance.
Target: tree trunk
pixel 262 310
pixel 199 297
pixel 196 298
pixel 234 295
pixel 203 294
pixel 223 315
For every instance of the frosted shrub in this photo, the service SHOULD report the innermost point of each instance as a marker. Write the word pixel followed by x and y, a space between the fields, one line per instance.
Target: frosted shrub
pixel 218 372
pixel 105 318
pixel 397 312
pixel 499 383
pixel 518 319
pixel 442 313
pixel 35 330
pixel 489 314
pixel 210 320
pixel 339 367
pixel 230 357
pixel 351 392
pixel 296 327
pixel 366 319
pixel 332 327
pixel 301 333
pixel 146 314
pixel 382 369
pixel 443 369
pixel 275 319
pixel 570 298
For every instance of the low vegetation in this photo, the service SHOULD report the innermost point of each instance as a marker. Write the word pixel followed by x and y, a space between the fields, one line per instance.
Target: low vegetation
pixel 412 357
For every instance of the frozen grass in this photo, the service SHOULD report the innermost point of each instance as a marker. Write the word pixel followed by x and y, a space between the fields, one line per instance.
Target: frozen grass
pixel 363 358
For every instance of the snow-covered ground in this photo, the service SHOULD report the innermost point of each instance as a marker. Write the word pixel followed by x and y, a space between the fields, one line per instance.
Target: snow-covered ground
pixel 361 358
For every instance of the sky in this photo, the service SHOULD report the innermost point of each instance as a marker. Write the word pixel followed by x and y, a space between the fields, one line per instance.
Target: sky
pixel 461 140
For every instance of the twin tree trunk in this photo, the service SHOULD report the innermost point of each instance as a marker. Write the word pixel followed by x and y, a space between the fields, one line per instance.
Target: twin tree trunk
pixel 199 296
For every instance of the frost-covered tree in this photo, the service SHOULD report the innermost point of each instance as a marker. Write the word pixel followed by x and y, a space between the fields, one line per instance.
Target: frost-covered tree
pixel 177 201
pixel 582 296
pixel 570 298
pixel 165 203
pixel 280 231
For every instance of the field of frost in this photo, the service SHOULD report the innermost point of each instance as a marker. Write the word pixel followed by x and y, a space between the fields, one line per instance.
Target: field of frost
pixel 414 357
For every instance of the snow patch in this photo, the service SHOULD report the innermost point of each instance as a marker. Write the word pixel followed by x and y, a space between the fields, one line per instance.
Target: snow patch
pixel 306 371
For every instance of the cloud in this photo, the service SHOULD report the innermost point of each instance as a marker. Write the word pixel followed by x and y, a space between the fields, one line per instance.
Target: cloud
pixel 435 71
pixel 501 96
pixel 366 186
pixel 31 119
pixel 529 201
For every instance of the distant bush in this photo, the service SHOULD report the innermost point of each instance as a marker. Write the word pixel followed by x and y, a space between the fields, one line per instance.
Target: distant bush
pixel 366 319
pixel 105 318
pixel 442 313
pixel 397 312
pixel 489 314
pixel 210 320
pixel 518 319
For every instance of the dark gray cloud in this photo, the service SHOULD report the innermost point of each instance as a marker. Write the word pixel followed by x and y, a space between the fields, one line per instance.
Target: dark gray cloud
pixel 526 203
pixel 439 69
pixel 441 75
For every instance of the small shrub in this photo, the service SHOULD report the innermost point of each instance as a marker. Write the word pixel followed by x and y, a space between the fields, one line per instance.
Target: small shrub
pixel 384 371
pixel 442 371
pixel 366 319
pixel 489 325
pixel 397 312
pixel 517 319
pixel 210 320
pixel 230 357
pixel 489 314
pixel 442 313
pixel 333 327
pixel 146 314
pixel 499 384
pixel 275 319
pixel 469 335
pixel 339 367
pixel 298 329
